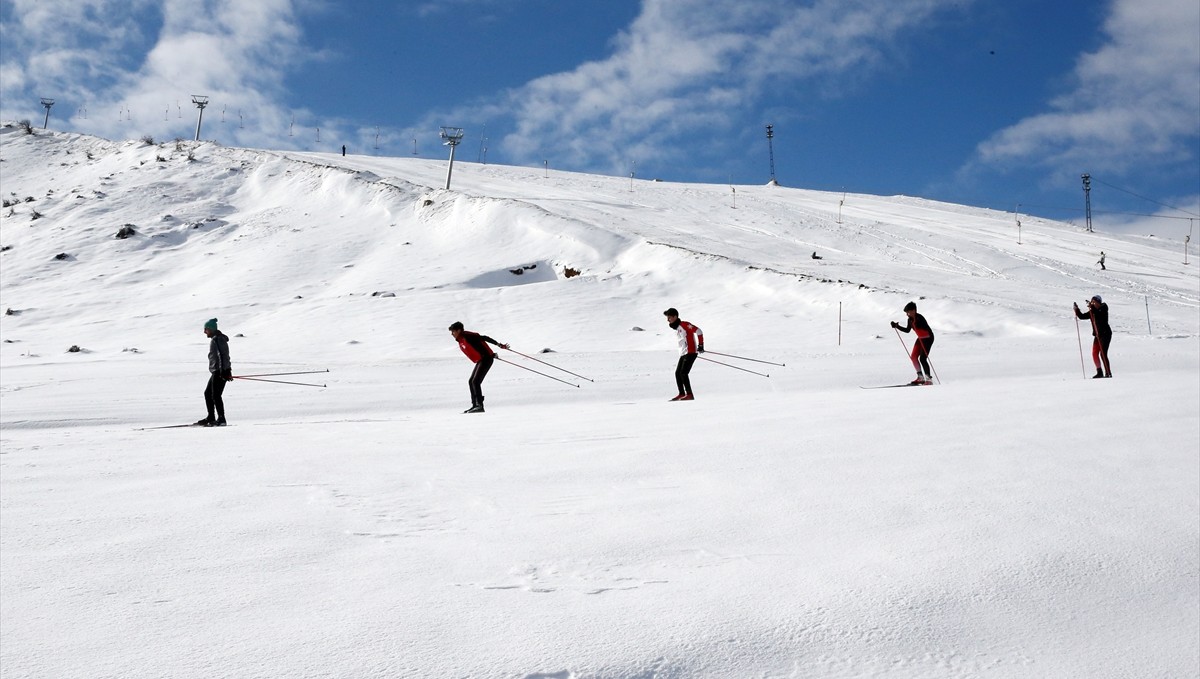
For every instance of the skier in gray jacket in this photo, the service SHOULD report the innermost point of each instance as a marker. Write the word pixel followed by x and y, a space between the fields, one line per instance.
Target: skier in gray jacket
pixel 220 371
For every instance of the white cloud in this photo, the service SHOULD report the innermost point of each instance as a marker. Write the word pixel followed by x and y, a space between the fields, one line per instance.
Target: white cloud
pixel 1134 100
pixel 133 66
pixel 689 65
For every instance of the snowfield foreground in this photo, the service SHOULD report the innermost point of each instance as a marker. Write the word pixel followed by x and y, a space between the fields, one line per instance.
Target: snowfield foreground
pixel 1017 520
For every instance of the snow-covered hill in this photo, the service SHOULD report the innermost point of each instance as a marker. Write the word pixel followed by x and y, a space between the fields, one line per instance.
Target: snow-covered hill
pixel 1018 520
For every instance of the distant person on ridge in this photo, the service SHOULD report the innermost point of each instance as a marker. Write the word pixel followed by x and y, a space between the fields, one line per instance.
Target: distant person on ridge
pixel 691 343
pixel 219 372
pixel 1101 333
pixel 475 346
pixel 921 347
pixel 1101 262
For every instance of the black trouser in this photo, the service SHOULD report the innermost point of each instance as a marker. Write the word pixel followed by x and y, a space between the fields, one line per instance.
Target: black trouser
pixel 212 396
pixel 681 373
pixel 920 354
pixel 476 381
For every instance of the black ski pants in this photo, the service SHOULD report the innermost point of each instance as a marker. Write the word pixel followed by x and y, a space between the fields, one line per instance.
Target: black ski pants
pixel 681 373
pixel 212 396
pixel 476 381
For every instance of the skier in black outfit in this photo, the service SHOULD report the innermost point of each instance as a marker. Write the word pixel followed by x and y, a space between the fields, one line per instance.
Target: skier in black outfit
pixel 219 372
pixel 921 347
pixel 475 346
pixel 1101 333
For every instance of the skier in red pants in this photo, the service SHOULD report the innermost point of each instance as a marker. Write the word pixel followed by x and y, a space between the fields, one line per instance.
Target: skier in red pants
pixel 1101 333
pixel 920 350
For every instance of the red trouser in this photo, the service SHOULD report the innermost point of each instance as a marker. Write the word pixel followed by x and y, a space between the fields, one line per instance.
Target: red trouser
pixel 920 354
pixel 1100 353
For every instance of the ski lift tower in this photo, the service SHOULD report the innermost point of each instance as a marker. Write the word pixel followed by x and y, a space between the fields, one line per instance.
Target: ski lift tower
pixel 771 153
pixel 1087 199
pixel 47 103
pixel 200 103
pixel 451 137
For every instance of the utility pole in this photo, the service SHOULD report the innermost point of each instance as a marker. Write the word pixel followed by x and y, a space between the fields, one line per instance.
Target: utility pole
pixel 1087 200
pixel 200 102
pixel 452 137
pixel 47 103
pixel 771 152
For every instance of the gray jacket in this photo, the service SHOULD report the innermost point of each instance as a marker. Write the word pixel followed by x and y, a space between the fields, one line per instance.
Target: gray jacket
pixel 218 355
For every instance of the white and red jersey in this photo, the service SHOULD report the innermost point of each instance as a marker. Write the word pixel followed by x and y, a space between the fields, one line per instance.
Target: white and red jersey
pixel 690 337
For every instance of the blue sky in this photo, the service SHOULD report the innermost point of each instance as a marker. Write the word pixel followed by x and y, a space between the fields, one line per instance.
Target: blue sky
pixel 985 103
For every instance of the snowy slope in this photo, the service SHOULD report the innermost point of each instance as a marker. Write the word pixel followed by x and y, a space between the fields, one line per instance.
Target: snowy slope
pixel 1018 520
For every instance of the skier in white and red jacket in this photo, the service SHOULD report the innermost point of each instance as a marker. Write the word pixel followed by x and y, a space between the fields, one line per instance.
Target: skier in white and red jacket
pixel 691 343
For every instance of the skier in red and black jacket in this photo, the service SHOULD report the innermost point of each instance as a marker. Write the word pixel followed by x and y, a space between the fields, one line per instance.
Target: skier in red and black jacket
pixel 921 347
pixel 691 343
pixel 475 346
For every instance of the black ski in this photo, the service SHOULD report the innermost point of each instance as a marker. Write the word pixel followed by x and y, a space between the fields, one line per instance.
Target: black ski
pixel 180 426
pixel 893 386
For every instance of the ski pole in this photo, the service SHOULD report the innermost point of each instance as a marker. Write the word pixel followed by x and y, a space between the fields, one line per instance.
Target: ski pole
pixel 717 353
pixel 733 366
pixel 259 379
pixel 551 365
pixel 303 372
pixel 901 341
pixel 1079 338
pixel 537 373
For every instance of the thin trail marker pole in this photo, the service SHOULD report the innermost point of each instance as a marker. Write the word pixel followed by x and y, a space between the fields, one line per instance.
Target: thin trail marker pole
pixel 518 365
pixel 839 324
pixel 733 366
pixel 717 353
pixel 551 365
pixel 298 384
pixel 1079 337
pixel 302 372
pixel 1148 329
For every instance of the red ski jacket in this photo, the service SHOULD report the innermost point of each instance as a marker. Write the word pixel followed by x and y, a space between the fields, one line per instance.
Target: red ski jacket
pixel 475 345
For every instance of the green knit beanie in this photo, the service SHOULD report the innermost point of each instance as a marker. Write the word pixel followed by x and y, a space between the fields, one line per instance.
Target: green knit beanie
pixel 211 324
